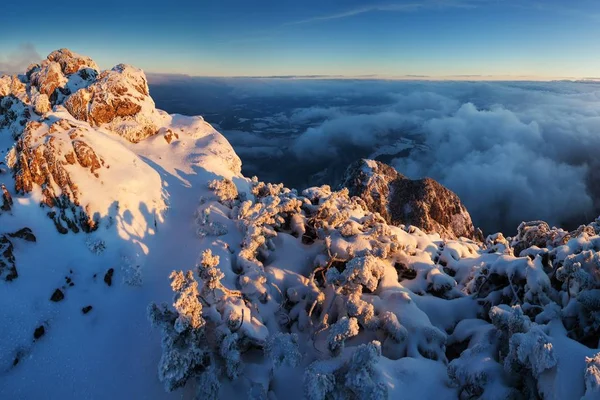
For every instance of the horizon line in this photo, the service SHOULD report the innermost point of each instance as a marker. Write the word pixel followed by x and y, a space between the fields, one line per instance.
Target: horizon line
pixel 406 77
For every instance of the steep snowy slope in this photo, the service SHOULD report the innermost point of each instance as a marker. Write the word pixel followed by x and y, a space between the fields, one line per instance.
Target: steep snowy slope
pixel 273 293
pixel 102 209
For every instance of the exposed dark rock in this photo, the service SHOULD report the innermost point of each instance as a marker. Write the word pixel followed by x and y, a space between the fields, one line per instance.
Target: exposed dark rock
pixel 25 234
pixel 39 162
pixel 7 201
pixel 57 296
pixel 86 309
pixel 39 332
pixel 423 203
pixel 108 276
pixel 168 134
pixel 8 267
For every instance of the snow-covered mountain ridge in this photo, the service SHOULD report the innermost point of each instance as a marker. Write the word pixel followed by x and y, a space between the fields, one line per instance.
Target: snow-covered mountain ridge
pixel 277 294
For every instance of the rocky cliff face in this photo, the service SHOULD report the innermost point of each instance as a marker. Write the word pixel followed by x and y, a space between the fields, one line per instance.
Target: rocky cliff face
pixel 117 99
pixel 423 203
pixel 61 114
pixel 41 158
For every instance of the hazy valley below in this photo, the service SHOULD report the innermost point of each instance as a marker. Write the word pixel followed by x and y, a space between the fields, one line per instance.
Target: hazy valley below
pixel 512 151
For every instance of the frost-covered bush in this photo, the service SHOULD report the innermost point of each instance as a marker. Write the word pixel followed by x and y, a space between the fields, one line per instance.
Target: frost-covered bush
pixel 317 284
pixel 204 337
pixel 356 378
pixel 225 190
pixel 592 376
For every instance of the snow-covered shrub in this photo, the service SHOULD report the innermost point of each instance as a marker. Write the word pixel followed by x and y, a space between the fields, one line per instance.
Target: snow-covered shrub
pixel 282 349
pixel 319 272
pixel 357 378
pixel 592 376
pixel 225 190
pixel 525 348
pixel 185 351
pixel 339 332
pixel 204 342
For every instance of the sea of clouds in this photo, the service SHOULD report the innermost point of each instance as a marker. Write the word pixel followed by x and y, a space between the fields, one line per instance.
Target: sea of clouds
pixel 512 151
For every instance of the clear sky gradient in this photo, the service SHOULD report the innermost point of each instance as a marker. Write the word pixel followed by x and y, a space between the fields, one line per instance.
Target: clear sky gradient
pixel 396 38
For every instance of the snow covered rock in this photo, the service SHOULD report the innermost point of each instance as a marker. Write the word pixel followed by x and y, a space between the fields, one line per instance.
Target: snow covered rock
pixel 11 84
pixel 423 203
pixel 8 262
pixel 71 62
pixel 118 99
pixel 42 157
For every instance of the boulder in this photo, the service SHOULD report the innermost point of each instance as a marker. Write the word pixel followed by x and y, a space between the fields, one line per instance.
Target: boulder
pixel 48 78
pixel 423 203
pixel 71 62
pixel 119 99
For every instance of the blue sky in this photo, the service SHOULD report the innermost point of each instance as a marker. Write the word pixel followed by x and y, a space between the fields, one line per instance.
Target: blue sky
pixel 436 38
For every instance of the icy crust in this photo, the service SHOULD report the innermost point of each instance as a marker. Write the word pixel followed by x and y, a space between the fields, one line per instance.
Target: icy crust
pixel 365 299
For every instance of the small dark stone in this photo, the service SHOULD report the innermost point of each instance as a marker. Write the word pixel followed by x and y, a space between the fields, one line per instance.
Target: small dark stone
pixel 16 361
pixel 58 295
pixel 39 332
pixel 71 284
pixel 108 276
pixel 86 309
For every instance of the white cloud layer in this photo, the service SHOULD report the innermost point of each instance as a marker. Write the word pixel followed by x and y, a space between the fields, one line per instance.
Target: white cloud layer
pixel 511 151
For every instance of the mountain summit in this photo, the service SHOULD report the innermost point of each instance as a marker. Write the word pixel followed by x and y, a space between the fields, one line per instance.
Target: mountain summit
pixel 136 261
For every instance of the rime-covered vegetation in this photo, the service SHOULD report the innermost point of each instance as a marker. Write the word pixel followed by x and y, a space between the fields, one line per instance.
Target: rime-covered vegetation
pixel 348 301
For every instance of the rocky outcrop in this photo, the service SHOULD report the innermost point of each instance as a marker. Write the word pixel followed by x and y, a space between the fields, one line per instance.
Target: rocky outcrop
pixel 13 104
pixel 423 203
pixel 7 201
pixel 11 85
pixel 117 99
pixel 8 267
pixel 70 62
pixel 64 116
pixel 8 263
pixel 48 78
pixel 41 157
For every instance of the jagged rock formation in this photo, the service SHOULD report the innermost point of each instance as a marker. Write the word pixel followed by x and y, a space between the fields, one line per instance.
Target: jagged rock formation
pixel 61 113
pixel 423 203
pixel 116 98
pixel 41 157
pixel 8 265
